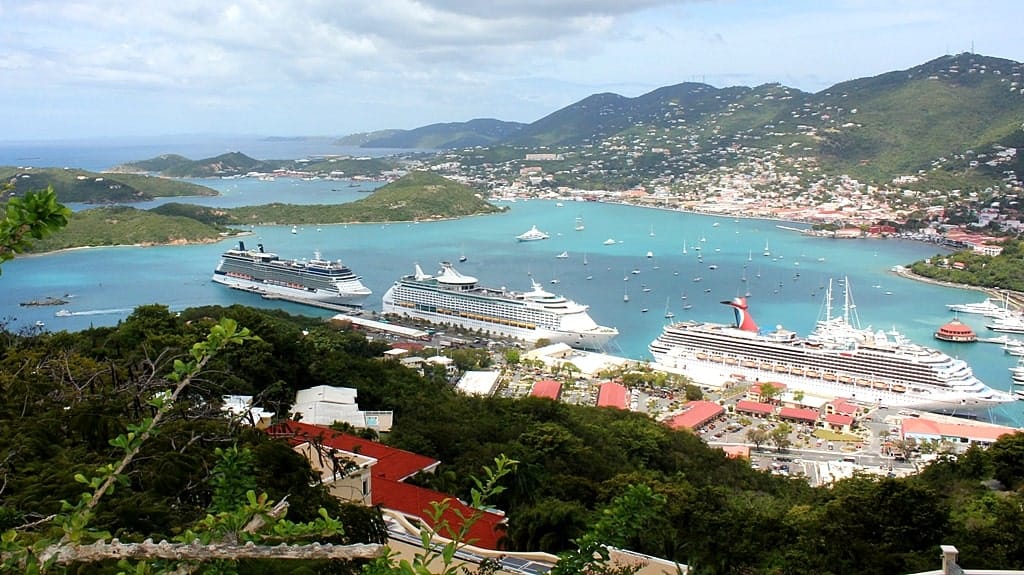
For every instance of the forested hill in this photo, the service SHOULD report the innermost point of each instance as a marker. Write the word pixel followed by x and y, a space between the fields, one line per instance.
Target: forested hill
pixel 414 197
pixel 235 164
pixel 717 514
pixel 74 185
pixel 897 123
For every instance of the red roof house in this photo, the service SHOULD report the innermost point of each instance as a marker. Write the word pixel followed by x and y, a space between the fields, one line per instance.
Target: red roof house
pixel 697 415
pixel 611 394
pixel 754 407
pixel 392 467
pixel 548 388
pixel 798 414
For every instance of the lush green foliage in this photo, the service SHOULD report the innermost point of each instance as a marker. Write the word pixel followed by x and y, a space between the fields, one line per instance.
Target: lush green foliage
pixel 118 225
pixel 76 185
pixel 1005 271
pixel 416 196
pixel 668 494
pixel 33 217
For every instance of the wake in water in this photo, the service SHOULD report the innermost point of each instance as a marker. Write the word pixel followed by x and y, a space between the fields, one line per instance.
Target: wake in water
pixel 66 313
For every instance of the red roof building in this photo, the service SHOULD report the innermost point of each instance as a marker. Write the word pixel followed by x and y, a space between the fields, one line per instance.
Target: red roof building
pixel 611 394
pixel 956 331
pixel 956 433
pixel 798 415
pixel 754 407
pixel 838 422
pixel 392 467
pixel 754 393
pixel 697 415
pixel 548 388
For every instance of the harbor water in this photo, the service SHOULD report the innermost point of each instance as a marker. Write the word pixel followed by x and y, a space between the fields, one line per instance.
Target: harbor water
pixel 619 250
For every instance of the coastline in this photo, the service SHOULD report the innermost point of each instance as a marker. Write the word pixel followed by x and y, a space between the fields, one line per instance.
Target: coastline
pixel 1014 299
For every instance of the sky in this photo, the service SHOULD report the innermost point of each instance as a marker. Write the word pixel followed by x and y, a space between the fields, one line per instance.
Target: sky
pixel 124 68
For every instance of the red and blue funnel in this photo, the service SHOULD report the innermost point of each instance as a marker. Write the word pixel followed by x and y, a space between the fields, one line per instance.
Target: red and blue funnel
pixel 743 319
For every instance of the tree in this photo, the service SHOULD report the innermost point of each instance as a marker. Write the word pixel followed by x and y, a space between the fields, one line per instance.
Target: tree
pixel 35 216
pixel 780 436
pixel 235 530
pixel 757 436
pixel 769 392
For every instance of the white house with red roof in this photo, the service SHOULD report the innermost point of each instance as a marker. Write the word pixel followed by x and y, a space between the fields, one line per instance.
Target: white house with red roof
pixel 378 478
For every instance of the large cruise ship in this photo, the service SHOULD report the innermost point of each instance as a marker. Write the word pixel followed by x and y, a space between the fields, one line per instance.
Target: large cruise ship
pixel 265 273
pixel 838 359
pixel 453 298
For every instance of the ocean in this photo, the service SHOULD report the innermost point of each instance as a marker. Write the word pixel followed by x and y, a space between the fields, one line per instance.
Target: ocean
pixel 786 288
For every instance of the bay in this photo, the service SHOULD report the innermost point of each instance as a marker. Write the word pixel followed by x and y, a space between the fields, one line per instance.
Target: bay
pixel 103 285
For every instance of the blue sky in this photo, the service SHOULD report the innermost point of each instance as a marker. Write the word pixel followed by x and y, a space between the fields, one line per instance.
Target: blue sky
pixel 98 68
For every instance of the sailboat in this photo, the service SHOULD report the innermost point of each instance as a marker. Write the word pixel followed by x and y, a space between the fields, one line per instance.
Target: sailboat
pixel 563 256
pixel 766 251
pixel 668 312
pixel 750 255
pixel 684 246
pixel 652 231
pixel 579 224
pixel 585 262
pixel 625 293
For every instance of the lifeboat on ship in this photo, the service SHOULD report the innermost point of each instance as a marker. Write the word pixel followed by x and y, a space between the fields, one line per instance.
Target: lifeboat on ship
pixel 766 366
pixel 749 363
pixel 899 388
pixel 863 383
pixel 781 369
pixel 845 379
pixel 879 385
pixel 812 373
pixel 829 377
pixel 797 371
pixel 730 360
pixel 701 355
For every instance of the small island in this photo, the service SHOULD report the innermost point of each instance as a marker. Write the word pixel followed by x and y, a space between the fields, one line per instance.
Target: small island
pixel 418 196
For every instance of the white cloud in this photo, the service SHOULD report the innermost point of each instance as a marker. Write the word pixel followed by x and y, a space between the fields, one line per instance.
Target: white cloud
pixel 403 63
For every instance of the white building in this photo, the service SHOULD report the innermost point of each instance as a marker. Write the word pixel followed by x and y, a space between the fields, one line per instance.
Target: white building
pixel 325 405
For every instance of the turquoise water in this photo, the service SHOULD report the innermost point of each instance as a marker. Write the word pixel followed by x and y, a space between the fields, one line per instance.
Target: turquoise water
pixel 106 283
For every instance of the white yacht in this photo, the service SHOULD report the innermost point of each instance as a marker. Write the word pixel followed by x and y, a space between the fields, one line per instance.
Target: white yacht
pixel 532 234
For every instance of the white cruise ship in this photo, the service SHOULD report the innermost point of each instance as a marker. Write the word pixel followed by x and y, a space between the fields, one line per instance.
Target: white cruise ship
pixel 838 359
pixel 265 273
pixel 453 298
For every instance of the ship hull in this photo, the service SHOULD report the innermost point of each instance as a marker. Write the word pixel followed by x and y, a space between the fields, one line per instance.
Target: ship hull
pixel 707 368
pixel 298 292
pixel 595 338
pixel 591 340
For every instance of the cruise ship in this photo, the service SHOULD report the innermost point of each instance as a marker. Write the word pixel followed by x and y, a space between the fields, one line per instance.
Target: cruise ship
pixel 265 273
pixel 838 359
pixel 453 298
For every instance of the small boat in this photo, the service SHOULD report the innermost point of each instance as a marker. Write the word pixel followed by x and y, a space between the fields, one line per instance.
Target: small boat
pixel 645 289
pixel 579 225
pixel 532 234
pixel 41 323
pixel 63 313
pixel 609 242
pixel 590 277
pixel 585 262
pixel 707 290
pixel 644 310
pixel 563 255
pixel 650 255
pixel 712 267
pixel 295 230
pixel 766 252
pixel 463 258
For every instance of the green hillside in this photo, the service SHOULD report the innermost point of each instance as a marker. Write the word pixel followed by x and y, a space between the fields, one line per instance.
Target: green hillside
pixel 236 164
pixel 117 225
pixel 416 196
pixel 74 185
